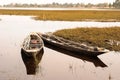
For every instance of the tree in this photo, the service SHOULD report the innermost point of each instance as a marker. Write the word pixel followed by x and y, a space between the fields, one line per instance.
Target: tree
pixel 89 5
pixel 116 4
pixel 103 5
pixel 110 5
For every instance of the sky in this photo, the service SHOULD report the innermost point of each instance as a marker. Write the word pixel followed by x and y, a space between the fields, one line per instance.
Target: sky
pixel 2 2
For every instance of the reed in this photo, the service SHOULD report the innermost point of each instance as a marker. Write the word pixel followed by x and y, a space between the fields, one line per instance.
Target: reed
pixel 93 36
pixel 67 15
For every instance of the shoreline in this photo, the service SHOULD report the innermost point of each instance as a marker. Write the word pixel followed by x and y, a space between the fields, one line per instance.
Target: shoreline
pixel 58 8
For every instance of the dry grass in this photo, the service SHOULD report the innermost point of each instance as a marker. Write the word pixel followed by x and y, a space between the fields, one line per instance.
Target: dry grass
pixel 92 36
pixel 67 15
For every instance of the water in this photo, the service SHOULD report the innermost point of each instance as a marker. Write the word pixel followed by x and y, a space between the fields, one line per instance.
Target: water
pixel 55 63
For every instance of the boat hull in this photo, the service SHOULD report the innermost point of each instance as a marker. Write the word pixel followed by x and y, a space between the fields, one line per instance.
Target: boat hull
pixel 32 63
pixel 30 53
pixel 71 48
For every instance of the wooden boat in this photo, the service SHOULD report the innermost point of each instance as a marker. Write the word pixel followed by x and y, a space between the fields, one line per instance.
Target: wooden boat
pixel 71 45
pixel 32 44
pixel 32 63
pixel 95 60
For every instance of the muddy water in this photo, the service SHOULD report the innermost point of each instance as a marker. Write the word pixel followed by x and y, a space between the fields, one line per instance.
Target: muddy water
pixel 55 64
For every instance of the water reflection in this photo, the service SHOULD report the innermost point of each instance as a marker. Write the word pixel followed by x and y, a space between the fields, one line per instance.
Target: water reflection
pixel 31 63
pixel 55 65
pixel 95 60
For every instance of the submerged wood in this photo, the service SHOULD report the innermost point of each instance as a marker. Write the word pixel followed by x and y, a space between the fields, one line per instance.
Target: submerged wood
pixel 32 44
pixel 72 46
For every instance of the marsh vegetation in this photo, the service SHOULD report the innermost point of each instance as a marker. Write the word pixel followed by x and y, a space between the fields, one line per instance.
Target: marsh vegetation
pixel 67 15
pixel 103 37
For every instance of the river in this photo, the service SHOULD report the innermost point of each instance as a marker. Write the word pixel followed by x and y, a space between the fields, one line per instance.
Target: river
pixel 55 64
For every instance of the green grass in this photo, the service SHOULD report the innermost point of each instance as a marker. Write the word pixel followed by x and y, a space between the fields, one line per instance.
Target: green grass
pixel 67 15
pixel 92 36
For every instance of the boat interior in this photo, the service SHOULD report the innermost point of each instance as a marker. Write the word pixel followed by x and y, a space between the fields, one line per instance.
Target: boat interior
pixel 32 42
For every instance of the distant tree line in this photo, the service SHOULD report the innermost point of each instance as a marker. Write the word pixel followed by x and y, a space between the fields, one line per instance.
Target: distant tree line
pixel 66 5
pixel 116 4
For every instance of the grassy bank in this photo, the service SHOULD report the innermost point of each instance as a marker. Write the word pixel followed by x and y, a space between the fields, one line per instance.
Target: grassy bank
pixel 102 37
pixel 67 15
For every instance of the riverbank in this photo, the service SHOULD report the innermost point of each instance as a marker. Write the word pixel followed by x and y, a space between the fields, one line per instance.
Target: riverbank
pixel 108 38
pixel 67 15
